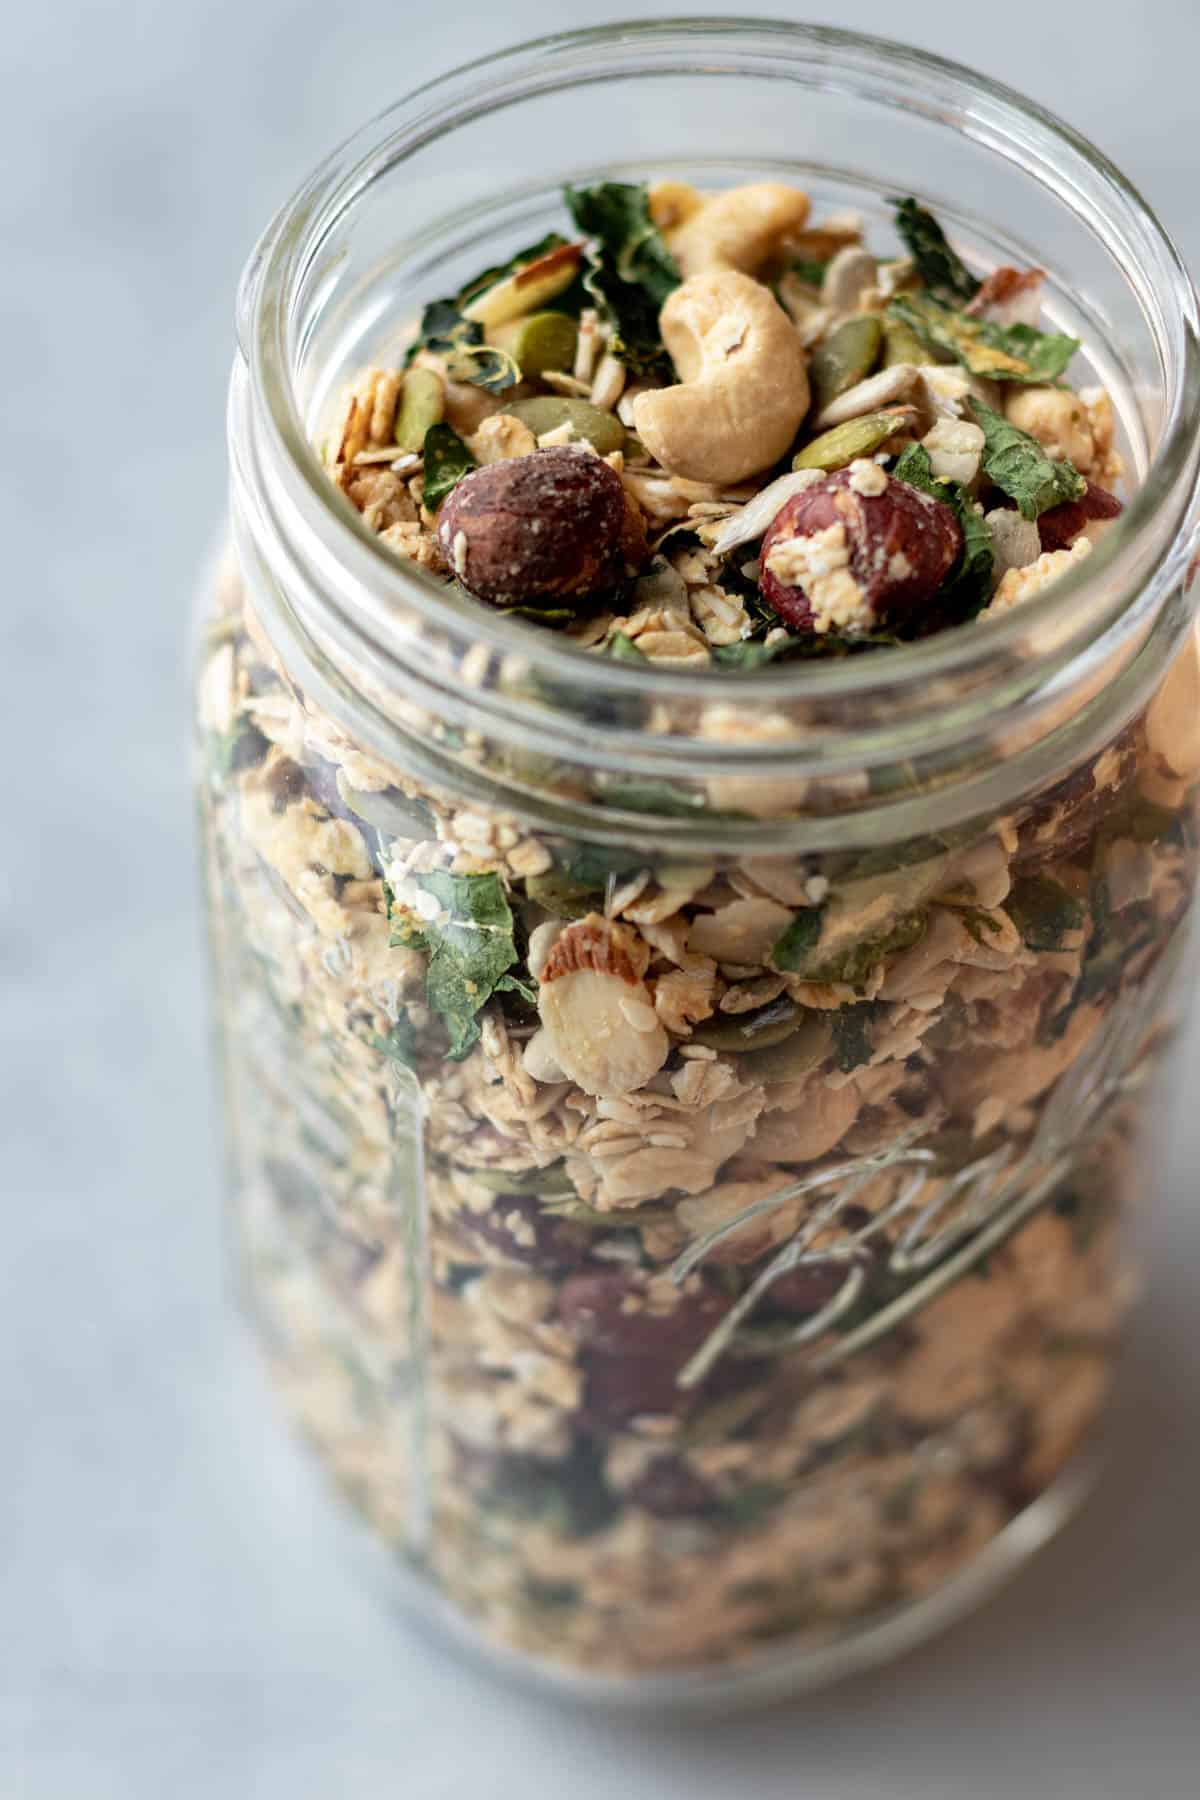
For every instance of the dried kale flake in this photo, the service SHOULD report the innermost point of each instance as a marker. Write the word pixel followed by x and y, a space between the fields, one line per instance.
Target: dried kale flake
pixel 855 964
pixel 1017 464
pixel 1019 353
pixel 1044 912
pixel 447 460
pixel 968 586
pixel 630 270
pixel 801 938
pixel 852 1034
pixel 444 332
pixel 940 266
pixel 471 948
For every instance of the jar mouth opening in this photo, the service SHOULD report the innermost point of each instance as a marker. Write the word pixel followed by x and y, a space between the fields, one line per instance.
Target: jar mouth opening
pixel 1143 547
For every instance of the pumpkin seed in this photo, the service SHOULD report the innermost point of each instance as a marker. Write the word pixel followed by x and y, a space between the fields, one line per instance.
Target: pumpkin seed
pixel 794 1056
pixel 546 412
pixel 857 437
pixel 422 404
pixel 902 345
pixel 551 1182
pixel 565 898
pixel 545 340
pixel 739 1032
pixel 845 358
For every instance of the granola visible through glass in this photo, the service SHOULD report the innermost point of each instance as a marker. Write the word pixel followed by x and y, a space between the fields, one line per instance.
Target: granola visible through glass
pixel 677 1257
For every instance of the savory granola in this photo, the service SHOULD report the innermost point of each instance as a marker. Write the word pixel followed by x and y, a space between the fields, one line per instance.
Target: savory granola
pixel 676 1257
pixel 709 432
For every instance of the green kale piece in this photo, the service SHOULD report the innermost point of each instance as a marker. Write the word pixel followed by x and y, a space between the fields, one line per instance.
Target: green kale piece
pixel 447 460
pixel 471 949
pixel 445 332
pixel 749 653
pixel 663 797
pixel 852 1034
pixel 967 587
pixel 1017 464
pixel 1044 912
pixel 940 267
pixel 793 949
pixel 1018 353
pixel 856 963
pixel 631 271
pixel 399 1044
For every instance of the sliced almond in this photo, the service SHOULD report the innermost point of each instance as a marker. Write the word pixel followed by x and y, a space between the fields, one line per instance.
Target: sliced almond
pixel 527 289
pixel 598 1020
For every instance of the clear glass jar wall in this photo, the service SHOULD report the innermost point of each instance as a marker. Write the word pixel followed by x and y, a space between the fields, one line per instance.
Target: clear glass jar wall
pixel 673 1316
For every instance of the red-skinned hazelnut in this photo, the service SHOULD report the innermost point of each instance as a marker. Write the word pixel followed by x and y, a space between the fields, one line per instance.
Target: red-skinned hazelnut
pixel 855 549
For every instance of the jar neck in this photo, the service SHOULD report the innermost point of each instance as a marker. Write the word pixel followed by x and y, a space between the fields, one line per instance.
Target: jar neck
pixel 893 743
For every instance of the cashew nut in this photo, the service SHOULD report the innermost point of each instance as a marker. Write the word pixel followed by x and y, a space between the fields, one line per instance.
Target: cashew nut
pixel 738 229
pixel 673 202
pixel 743 386
pixel 1058 419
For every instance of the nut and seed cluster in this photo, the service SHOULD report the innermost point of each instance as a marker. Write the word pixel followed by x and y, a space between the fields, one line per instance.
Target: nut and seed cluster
pixel 677 1259
pixel 758 440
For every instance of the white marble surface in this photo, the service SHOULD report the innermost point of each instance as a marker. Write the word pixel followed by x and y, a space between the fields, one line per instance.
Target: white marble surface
pixel 173 1623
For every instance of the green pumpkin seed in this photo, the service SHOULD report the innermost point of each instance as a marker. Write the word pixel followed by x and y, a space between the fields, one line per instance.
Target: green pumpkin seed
pixel 602 430
pixel 846 357
pixel 740 1032
pixel 799 1054
pixel 902 345
pixel 551 1182
pixel 565 898
pixel 577 1212
pixel 844 443
pixel 545 340
pixel 422 404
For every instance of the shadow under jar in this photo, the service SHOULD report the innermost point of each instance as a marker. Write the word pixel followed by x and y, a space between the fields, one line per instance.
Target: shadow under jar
pixel 750 1363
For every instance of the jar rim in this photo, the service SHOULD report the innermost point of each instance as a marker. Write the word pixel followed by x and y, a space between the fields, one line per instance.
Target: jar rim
pixel 1071 623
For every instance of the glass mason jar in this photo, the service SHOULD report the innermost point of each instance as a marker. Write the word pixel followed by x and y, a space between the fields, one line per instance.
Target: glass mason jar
pixel 694 1328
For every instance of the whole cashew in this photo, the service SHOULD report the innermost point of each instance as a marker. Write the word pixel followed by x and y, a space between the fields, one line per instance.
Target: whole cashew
pixel 743 381
pixel 738 229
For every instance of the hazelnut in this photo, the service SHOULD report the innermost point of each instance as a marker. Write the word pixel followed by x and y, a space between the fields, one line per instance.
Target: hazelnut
pixel 552 522
pixel 1061 525
pixel 855 548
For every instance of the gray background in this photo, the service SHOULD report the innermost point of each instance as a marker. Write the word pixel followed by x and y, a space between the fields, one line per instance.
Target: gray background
pixel 173 1620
